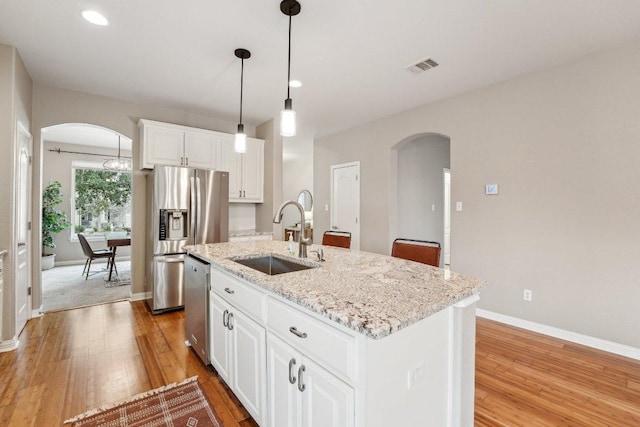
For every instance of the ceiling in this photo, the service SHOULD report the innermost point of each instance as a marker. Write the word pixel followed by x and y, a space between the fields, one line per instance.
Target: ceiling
pixel 348 54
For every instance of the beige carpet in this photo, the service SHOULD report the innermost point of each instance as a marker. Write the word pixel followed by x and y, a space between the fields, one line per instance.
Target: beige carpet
pixel 64 287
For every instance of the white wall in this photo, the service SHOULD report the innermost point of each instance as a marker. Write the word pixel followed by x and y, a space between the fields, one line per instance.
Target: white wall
pixel 420 176
pixel 564 146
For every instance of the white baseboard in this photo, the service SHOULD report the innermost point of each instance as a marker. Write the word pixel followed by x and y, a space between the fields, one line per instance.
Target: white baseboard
pixel 140 296
pixel 586 340
pixel 36 313
pixel 9 345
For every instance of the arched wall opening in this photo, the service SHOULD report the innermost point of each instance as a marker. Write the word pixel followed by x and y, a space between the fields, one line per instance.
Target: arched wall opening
pixel 60 148
pixel 417 211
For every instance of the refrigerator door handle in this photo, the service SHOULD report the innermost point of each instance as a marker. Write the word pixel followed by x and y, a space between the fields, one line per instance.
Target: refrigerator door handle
pixel 193 210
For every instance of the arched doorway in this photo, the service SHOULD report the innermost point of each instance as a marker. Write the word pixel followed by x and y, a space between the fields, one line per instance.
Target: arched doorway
pixel 72 155
pixel 418 166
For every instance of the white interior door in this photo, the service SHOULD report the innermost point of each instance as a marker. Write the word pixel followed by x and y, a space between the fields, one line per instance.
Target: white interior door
pixel 447 217
pixel 23 228
pixel 345 200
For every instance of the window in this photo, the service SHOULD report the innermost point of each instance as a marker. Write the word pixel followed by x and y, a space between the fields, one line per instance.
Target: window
pixel 102 200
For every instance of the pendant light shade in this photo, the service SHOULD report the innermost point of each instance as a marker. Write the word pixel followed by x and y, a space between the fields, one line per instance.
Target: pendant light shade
pixel 240 142
pixel 288 115
pixel 117 165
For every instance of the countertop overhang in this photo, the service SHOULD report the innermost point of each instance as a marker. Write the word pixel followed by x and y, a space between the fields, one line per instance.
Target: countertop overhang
pixel 370 293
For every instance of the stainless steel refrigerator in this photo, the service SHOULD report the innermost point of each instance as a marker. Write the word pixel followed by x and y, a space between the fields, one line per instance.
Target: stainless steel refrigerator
pixel 185 207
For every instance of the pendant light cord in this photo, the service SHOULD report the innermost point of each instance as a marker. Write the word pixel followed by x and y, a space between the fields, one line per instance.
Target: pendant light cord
pixel 241 86
pixel 289 61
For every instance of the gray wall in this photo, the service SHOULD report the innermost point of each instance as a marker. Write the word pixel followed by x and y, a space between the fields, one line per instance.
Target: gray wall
pixel 563 144
pixel 52 106
pixel 15 105
pixel 420 180
pixel 297 175
pixel 57 167
pixel 272 178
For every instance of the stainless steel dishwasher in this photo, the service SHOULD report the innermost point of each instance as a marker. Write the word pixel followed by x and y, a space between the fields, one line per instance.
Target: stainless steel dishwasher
pixel 196 305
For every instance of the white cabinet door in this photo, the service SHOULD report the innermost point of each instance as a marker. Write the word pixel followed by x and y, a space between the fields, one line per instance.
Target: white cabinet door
pixel 231 162
pixel 282 373
pixel 220 342
pixel 249 356
pixel 253 171
pixel 162 146
pixel 326 400
pixel 301 393
pixel 201 150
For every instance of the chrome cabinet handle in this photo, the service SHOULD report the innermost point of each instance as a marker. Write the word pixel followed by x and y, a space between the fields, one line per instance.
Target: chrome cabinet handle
pixel 297 333
pixel 229 291
pixel 301 385
pixel 239 193
pixel 225 319
pixel 230 325
pixel 292 378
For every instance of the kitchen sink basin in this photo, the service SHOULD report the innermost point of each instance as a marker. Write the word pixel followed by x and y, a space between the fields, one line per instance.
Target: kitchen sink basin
pixel 272 265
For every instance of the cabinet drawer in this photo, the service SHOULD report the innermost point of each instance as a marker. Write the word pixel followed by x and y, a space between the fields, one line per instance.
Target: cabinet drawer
pixel 332 348
pixel 243 297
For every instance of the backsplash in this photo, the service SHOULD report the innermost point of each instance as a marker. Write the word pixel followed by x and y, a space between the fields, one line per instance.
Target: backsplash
pixel 242 216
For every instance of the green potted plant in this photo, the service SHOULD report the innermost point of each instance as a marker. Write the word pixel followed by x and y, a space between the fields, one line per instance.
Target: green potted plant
pixel 54 220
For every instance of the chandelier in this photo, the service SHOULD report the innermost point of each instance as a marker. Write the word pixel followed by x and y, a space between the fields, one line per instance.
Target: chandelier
pixel 119 164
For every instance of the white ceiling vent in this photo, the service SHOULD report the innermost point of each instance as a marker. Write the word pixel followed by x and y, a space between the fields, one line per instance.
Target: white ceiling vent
pixel 422 66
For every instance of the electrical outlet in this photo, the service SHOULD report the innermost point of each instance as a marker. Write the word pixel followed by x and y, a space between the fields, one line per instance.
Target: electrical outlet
pixel 527 295
pixel 415 375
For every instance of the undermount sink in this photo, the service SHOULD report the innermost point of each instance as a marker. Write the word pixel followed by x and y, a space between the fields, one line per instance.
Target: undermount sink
pixel 272 265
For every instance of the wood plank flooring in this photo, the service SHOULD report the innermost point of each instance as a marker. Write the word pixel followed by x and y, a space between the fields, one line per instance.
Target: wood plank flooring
pixel 75 360
pixel 72 361
pixel 528 379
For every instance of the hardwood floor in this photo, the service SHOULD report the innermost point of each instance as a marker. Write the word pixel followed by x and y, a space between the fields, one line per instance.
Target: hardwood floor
pixel 75 360
pixel 72 361
pixel 528 379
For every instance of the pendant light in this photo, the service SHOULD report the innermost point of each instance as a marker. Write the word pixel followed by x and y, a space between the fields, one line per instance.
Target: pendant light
pixel 117 165
pixel 288 115
pixel 240 144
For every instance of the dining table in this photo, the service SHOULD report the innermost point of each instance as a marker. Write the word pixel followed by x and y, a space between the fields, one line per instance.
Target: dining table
pixel 113 244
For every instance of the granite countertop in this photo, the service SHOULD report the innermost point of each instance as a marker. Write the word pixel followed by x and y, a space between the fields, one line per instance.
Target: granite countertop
pixel 373 294
pixel 241 233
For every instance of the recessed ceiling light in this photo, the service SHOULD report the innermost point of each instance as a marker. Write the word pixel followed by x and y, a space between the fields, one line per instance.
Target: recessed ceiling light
pixel 95 17
pixel 295 83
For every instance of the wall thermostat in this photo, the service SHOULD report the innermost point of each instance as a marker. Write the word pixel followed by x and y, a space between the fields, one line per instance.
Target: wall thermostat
pixel 491 189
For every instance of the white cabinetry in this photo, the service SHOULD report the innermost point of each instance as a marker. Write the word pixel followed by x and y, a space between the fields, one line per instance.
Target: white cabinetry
pixel 301 393
pixel 246 171
pixel 238 342
pixel 175 145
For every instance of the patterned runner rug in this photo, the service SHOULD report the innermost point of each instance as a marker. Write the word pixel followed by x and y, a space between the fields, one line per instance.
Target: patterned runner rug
pixel 182 404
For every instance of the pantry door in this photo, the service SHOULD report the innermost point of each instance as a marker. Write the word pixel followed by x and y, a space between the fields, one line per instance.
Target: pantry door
pixel 345 200
pixel 23 227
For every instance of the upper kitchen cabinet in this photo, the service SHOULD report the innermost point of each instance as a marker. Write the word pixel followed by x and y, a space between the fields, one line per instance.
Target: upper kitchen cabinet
pixel 175 145
pixel 246 171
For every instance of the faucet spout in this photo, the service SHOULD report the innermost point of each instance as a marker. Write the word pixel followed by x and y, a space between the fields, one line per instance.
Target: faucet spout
pixel 303 242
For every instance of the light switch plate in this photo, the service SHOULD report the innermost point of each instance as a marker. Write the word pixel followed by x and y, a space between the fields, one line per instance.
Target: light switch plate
pixel 459 206
pixel 491 189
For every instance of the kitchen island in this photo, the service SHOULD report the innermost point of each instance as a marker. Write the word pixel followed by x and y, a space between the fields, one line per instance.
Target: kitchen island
pixel 360 339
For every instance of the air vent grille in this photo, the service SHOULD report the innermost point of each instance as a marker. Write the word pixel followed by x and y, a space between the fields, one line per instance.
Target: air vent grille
pixel 422 66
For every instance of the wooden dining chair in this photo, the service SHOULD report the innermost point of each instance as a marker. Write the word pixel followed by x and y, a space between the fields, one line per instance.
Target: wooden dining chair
pixel 92 254
pixel 339 239
pixel 422 251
